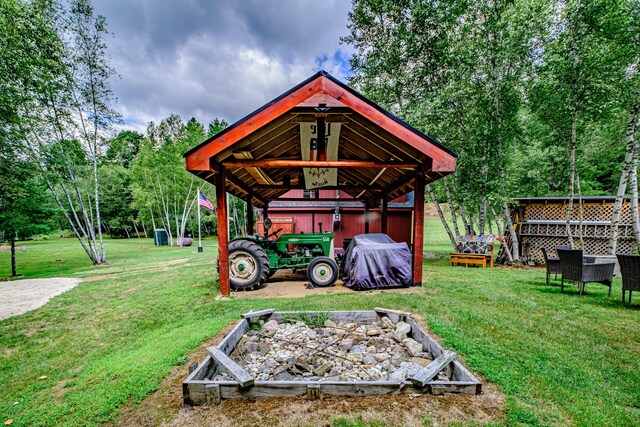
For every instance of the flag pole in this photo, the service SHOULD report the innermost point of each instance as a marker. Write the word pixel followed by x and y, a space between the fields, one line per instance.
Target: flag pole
pixel 199 226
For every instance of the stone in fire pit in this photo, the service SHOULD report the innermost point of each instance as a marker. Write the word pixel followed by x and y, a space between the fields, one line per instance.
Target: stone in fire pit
pixel 338 353
pixel 330 351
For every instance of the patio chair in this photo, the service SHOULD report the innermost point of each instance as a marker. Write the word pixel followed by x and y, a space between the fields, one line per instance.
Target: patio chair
pixel 552 264
pixel 630 270
pixel 588 259
pixel 574 267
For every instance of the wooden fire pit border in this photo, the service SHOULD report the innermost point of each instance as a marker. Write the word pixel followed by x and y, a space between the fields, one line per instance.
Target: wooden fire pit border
pixel 199 389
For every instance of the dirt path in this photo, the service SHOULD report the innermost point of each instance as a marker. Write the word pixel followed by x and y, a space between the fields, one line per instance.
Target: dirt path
pixel 285 284
pixel 20 296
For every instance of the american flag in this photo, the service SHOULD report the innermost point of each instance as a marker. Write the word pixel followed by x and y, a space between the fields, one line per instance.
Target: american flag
pixel 205 202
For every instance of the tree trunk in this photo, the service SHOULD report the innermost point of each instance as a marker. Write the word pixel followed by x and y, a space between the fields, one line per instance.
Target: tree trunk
pixel 103 257
pixel 502 235
pixel 624 178
pixel 572 177
pixel 580 212
pixel 482 215
pixel 465 221
pixel 144 230
pixel 135 227
pixel 452 207
pixel 515 251
pixel 452 238
pixel 633 182
pixel 14 271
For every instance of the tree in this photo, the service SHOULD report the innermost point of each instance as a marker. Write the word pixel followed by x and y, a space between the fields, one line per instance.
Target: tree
pixel 161 185
pixel 64 104
pixel 24 209
pixel 215 126
pixel 123 148
pixel 452 69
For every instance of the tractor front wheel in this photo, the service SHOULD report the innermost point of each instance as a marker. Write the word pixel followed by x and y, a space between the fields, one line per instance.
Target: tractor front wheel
pixel 248 265
pixel 322 272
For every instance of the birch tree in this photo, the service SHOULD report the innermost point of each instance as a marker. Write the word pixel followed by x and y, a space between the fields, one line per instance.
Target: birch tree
pixel 64 104
pixel 162 186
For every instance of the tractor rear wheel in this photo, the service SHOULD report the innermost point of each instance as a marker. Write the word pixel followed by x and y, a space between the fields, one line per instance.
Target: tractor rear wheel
pixel 248 265
pixel 322 271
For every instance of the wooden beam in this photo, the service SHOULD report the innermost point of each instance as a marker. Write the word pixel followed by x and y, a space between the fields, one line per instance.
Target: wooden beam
pixel 223 236
pixel 276 163
pixel 244 187
pixel 300 186
pixel 250 216
pixel 366 219
pixel 252 315
pixel 384 218
pixel 418 227
pixel 311 118
pixel 423 376
pixel 319 199
pixel 236 371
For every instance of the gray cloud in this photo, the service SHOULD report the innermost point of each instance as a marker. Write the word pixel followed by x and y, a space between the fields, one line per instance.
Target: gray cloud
pixel 220 58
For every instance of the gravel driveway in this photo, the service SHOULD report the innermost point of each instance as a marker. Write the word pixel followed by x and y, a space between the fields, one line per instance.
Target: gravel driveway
pixel 19 296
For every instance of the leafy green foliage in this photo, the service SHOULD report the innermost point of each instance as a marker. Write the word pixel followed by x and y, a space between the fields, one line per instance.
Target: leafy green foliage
pixel 123 148
pixel 24 209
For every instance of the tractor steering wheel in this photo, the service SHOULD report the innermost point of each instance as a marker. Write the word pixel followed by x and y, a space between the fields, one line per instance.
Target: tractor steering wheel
pixel 275 233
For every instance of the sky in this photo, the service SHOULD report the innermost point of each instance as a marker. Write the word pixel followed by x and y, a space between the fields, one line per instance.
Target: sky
pixel 218 58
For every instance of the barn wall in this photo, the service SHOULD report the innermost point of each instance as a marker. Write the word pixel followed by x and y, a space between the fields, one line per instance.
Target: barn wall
pixel 352 223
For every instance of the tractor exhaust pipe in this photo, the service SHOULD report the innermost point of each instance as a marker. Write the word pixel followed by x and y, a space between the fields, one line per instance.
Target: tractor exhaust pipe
pixel 320 226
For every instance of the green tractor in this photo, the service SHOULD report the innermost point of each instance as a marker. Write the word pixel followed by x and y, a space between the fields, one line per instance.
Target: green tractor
pixel 253 259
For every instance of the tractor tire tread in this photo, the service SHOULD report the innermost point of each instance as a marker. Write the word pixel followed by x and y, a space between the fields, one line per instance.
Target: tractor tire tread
pixel 262 260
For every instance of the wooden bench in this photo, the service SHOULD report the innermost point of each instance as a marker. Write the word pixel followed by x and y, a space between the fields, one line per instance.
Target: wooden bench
pixel 473 252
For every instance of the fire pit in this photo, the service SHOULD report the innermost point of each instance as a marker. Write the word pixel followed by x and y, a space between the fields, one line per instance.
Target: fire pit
pixel 345 353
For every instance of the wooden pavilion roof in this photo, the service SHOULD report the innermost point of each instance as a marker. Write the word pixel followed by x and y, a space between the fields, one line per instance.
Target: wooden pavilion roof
pixel 379 154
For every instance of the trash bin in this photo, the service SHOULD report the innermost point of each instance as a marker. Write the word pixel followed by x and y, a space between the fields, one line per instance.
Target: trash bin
pixel 160 237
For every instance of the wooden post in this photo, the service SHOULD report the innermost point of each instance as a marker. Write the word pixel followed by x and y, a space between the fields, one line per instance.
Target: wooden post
pixel 313 392
pixel 250 216
pixel 384 219
pixel 223 232
pixel 265 215
pixel 212 394
pixel 366 218
pixel 418 227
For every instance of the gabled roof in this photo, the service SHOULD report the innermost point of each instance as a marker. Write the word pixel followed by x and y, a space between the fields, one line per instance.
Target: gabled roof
pixel 370 134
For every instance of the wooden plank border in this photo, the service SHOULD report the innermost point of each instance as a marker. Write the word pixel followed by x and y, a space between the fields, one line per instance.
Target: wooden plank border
pixel 197 387
pixel 423 376
pixel 230 340
pixel 236 371
pixel 254 316
pixel 336 316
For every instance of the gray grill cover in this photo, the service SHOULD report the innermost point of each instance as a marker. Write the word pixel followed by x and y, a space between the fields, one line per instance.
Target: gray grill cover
pixel 375 261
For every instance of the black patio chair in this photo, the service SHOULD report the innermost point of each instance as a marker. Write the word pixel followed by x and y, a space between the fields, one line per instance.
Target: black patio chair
pixel 553 265
pixel 588 259
pixel 574 267
pixel 630 270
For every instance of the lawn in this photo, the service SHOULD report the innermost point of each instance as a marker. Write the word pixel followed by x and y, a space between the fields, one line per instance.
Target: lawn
pixel 560 359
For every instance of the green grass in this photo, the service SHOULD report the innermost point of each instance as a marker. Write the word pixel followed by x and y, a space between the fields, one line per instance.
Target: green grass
pixel 560 358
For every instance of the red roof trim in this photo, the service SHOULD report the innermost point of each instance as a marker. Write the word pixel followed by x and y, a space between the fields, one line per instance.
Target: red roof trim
pixel 197 158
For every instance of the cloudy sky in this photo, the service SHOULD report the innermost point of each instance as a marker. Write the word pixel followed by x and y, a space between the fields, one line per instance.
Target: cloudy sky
pixel 218 58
